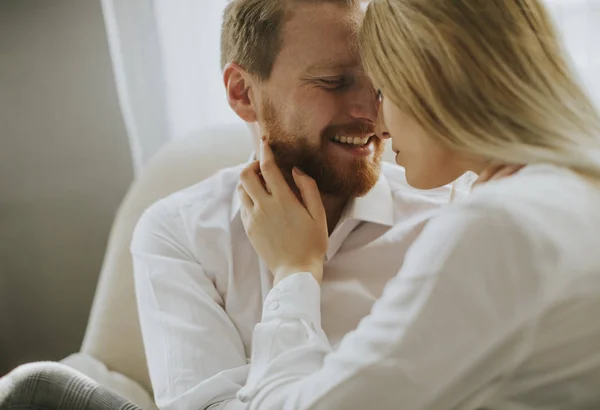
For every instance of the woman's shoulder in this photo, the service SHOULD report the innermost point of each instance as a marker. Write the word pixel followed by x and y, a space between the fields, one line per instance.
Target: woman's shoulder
pixel 552 212
pixel 538 191
pixel 534 227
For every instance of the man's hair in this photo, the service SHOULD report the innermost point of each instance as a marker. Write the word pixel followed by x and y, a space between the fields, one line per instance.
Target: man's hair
pixel 251 32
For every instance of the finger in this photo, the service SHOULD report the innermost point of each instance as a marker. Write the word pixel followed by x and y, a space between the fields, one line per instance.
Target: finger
pixel 244 215
pixel 252 183
pixel 245 199
pixel 262 181
pixel 487 173
pixel 506 171
pixel 310 194
pixel 270 171
pixel 255 165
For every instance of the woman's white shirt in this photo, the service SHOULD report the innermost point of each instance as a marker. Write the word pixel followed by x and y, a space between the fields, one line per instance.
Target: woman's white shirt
pixel 497 305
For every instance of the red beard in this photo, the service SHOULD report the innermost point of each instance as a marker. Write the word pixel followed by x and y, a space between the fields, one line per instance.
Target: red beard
pixel 354 179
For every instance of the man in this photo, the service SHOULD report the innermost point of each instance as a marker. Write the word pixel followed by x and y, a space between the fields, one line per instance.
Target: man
pixel 292 72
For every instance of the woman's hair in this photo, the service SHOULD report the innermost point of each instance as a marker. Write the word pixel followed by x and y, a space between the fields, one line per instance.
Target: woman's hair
pixel 484 77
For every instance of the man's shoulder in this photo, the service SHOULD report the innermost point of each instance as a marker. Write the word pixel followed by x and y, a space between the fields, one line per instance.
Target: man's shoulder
pixel 216 190
pixel 208 200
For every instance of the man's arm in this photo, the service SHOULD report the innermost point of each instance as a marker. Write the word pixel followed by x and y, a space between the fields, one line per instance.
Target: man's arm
pixel 195 354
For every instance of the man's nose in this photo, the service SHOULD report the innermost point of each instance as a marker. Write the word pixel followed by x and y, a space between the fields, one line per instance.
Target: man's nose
pixel 363 102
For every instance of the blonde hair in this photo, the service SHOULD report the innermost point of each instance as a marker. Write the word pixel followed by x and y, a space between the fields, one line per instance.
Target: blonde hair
pixel 487 78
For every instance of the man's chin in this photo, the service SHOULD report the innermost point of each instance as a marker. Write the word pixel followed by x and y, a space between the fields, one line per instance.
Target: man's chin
pixel 347 179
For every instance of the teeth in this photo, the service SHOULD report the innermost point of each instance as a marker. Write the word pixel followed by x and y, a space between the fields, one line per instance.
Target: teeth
pixel 350 140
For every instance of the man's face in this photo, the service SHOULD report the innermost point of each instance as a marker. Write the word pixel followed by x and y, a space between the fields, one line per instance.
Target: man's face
pixel 318 109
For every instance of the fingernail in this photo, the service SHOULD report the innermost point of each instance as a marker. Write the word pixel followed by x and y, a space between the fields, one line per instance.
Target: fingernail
pixel 298 171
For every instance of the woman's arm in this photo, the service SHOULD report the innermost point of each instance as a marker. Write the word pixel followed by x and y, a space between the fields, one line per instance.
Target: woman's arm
pixel 448 325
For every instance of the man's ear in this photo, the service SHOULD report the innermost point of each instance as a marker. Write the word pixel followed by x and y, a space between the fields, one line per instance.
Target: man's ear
pixel 238 85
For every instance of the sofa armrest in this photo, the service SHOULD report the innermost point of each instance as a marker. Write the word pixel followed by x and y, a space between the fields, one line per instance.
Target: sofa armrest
pixel 113 381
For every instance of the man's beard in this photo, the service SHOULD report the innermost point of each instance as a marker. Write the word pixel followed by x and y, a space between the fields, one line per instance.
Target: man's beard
pixel 354 178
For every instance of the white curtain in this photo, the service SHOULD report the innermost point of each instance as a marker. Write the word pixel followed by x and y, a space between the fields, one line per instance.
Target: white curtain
pixel 166 60
pixel 579 25
pixel 166 64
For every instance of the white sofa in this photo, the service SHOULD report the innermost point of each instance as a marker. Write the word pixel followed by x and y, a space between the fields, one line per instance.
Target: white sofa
pixel 112 352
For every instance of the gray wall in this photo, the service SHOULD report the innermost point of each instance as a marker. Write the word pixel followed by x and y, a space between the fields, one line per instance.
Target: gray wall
pixel 65 164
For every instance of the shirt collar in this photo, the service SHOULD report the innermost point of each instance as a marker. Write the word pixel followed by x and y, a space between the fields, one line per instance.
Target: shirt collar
pixel 235 203
pixel 235 206
pixel 377 206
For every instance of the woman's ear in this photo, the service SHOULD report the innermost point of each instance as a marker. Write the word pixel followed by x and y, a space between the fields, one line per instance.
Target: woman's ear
pixel 238 84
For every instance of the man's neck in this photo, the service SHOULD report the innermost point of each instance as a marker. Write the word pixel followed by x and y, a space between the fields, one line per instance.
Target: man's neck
pixel 334 207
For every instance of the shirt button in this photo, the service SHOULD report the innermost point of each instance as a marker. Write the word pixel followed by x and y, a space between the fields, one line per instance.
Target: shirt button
pixel 273 305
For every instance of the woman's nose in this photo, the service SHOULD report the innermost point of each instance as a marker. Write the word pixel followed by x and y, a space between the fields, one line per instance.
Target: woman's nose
pixel 380 129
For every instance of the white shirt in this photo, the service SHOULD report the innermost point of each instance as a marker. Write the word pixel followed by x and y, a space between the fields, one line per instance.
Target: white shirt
pixel 200 285
pixel 497 306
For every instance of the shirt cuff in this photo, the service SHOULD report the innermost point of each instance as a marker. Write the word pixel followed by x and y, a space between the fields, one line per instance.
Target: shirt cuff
pixel 296 297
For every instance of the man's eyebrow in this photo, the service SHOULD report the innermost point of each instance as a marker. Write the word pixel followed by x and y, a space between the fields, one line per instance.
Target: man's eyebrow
pixel 329 67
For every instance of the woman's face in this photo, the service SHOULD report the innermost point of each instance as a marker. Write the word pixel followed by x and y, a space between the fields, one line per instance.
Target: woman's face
pixel 428 164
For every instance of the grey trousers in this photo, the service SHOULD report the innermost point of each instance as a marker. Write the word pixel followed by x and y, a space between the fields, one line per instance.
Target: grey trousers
pixel 53 386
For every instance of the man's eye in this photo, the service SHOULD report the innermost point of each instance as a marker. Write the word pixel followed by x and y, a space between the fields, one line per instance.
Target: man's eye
pixel 333 83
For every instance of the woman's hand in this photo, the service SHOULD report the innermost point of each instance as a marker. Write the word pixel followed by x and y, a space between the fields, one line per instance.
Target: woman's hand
pixel 496 171
pixel 289 236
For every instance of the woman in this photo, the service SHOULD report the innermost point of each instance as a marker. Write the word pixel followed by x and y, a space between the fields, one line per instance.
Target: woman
pixel 497 303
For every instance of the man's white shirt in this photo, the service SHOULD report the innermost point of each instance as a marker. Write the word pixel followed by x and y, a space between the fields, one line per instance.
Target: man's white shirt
pixel 200 285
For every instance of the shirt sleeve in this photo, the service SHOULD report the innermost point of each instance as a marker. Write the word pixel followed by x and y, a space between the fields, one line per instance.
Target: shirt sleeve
pixel 195 355
pixel 447 327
